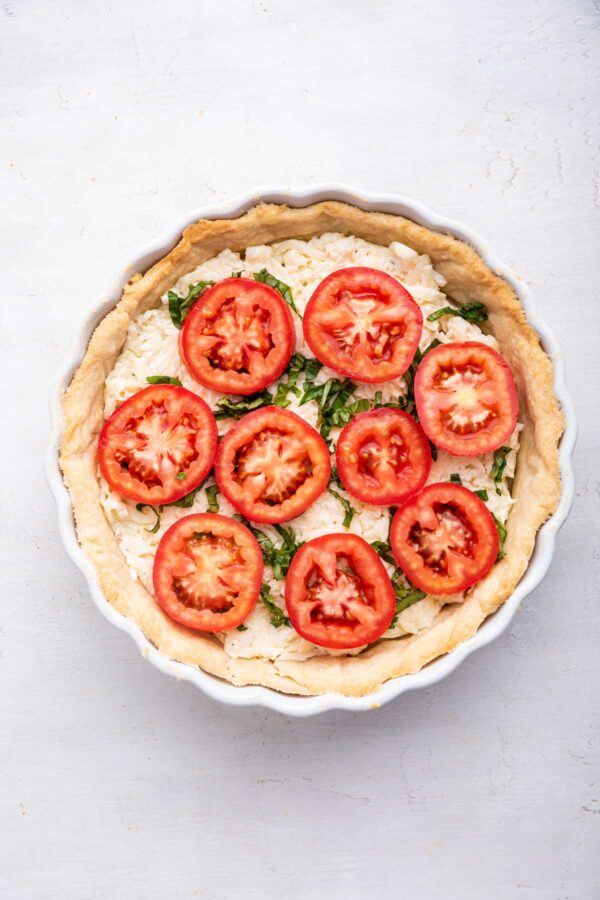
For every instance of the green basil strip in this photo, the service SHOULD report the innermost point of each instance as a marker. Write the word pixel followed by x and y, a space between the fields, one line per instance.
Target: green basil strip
pixel 284 289
pixel 163 379
pixel 179 307
pixel 157 511
pixel 346 505
pixel 277 615
pixel 501 535
pixel 472 312
pixel 236 407
pixel 497 470
pixel 211 496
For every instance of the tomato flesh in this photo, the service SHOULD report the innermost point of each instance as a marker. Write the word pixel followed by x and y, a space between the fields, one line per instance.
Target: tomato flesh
pixel 162 432
pixel 338 593
pixel 207 572
pixel 363 323
pixel 466 398
pixel 238 337
pixel 383 456
pixel 444 539
pixel 272 465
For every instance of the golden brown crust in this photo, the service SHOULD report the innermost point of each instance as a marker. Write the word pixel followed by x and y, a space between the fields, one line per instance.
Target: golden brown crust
pixel 537 478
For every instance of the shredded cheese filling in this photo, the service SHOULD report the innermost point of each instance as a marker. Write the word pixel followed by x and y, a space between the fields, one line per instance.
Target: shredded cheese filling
pixel 151 348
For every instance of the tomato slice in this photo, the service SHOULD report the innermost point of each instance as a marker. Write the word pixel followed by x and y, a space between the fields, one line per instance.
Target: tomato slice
pixel 271 465
pixel 383 456
pixel 364 324
pixel 444 539
pixel 158 434
pixel 466 398
pixel 207 572
pixel 338 593
pixel 238 337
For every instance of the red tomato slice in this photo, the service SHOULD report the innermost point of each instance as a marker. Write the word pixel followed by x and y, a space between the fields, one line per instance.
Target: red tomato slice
pixel 444 539
pixel 383 456
pixel 272 465
pixel 466 398
pixel 338 593
pixel 157 434
pixel 238 337
pixel 364 324
pixel 207 572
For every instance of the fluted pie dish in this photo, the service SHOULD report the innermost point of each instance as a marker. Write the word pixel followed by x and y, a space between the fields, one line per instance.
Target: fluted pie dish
pixel 313 450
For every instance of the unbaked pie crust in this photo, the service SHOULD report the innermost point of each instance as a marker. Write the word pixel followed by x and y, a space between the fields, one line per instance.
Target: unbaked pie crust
pixel 536 483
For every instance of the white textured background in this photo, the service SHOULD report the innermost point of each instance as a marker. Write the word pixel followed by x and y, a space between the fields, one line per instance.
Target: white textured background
pixel 117 782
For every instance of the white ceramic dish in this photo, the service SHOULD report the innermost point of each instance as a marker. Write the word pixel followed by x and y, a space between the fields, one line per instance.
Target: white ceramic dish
pixel 261 696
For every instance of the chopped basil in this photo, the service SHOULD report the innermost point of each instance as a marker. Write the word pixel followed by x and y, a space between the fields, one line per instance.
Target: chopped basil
pixel 265 277
pixel 501 535
pixel 236 274
pixel 343 416
pixel 156 510
pixel 385 552
pixel 497 470
pixel 211 496
pixel 180 476
pixel 242 628
pixel 335 477
pixel 455 478
pixel 163 379
pixel 298 364
pixel 277 615
pixel 392 512
pixel 472 312
pixel 279 558
pixel 179 307
pixel 409 377
pixel 331 397
pixel 312 367
pixel 406 595
pixel 185 502
pixel 236 407
pixel 346 505
pixel 483 495
pixel 294 369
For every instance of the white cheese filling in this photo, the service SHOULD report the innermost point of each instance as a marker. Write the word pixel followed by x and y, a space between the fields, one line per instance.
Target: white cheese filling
pixel 151 348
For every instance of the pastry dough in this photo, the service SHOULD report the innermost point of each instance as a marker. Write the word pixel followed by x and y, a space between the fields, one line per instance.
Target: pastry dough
pixel 537 480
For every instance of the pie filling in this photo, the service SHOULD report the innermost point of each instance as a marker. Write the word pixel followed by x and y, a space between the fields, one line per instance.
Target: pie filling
pixel 152 349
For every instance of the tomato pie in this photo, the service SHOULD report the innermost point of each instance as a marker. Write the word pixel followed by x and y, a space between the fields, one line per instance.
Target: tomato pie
pixel 311 448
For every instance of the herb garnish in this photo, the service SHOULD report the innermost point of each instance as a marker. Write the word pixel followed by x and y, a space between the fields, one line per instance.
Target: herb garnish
pixel 163 379
pixel 179 307
pixel 211 496
pixel 184 502
pixel 236 275
pixel 331 397
pixel 284 289
pixel 497 470
pixel 242 628
pixel 236 407
pixel 279 558
pixel 406 593
pixel 294 369
pixel 483 495
pixel 142 506
pixel 277 615
pixel 455 478
pixel 180 476
pixel 347 507
pixel 472 312
pixel 501 535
